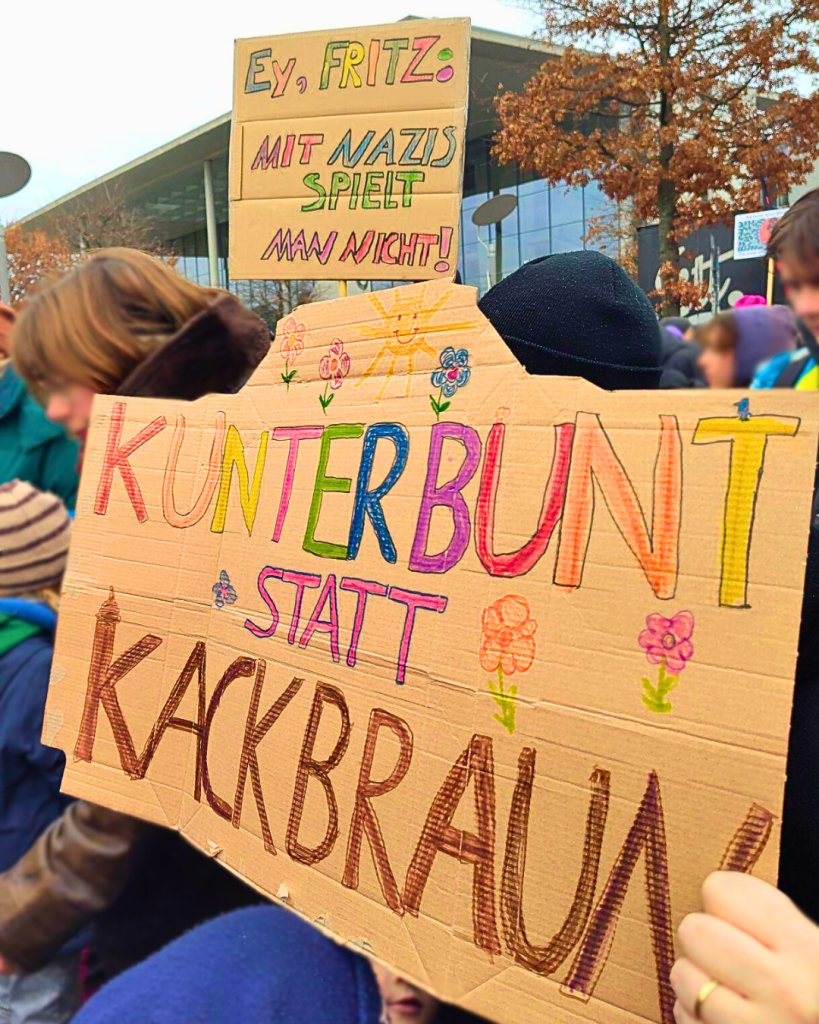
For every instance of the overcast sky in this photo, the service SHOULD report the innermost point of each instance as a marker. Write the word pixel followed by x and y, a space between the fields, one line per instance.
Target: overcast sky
pixel 89 85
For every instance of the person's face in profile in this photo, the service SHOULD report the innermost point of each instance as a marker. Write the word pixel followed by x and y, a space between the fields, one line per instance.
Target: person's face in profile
pixel 406 1004
pixel 70 405
pixel 802 290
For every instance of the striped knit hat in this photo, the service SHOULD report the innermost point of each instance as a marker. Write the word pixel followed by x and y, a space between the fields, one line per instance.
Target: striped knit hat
pixel 35 531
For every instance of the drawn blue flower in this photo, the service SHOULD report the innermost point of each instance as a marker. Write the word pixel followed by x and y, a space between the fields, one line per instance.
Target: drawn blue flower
pixel 454 371
pixel 223 591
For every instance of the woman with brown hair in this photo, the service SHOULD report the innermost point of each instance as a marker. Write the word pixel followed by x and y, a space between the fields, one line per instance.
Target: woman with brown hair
pixel 125 323
pixel 120 323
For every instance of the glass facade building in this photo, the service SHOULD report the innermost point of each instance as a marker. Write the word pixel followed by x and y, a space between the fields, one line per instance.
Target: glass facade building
pixel 545 220
pixel 167 185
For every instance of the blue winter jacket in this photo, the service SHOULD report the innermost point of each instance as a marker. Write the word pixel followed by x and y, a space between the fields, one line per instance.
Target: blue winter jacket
pixel 30 773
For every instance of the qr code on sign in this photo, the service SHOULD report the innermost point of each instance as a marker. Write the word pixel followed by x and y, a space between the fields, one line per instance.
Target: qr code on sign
pixel 752 233
pixel 748 235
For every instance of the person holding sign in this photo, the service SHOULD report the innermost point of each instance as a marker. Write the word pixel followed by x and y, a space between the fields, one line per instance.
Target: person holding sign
pixel 794 246
pixel 750 958
pixel 121 323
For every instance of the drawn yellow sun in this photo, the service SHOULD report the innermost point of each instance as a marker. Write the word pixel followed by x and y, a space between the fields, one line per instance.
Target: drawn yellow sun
pixel 404 331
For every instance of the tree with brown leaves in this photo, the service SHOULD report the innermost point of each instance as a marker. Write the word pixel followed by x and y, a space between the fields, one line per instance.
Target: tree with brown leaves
pixel 686 109
pixel 100 220
pixel 33 255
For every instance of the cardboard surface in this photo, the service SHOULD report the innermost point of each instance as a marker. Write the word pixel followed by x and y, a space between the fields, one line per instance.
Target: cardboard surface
pixel 479 671
pixel 347 150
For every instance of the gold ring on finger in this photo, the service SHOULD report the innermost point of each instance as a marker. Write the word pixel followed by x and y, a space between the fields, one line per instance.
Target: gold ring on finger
pixel 702 995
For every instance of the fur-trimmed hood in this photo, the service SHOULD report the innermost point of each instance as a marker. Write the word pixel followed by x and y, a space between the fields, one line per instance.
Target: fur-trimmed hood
pixel 214 353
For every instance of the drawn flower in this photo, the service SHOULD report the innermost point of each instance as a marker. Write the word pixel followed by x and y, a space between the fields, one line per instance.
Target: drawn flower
pixel 508 636
pixel 291 346
pixel 668 641
pixel 453 373
pixel 293 335
pixel 335 365
pixel 507 646
pixel 223 591
pixel 333 368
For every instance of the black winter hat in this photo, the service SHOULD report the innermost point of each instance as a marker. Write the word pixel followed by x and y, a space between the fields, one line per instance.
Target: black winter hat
pixel 578 314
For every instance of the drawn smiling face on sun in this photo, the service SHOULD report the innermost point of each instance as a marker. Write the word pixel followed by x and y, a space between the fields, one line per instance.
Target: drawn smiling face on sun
pixel 404 322
pixel 403 332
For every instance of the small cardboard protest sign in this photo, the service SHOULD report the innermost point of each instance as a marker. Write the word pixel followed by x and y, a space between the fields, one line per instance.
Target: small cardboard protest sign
pixel 347 152
pixel 482 672
pixel 752 232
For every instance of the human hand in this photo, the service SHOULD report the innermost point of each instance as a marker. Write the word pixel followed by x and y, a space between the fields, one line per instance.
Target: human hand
pixel 762 952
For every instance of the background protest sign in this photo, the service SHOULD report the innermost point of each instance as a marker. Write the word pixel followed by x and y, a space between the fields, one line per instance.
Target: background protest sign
pixel 347 152
pixel 480 671
pixel 752 231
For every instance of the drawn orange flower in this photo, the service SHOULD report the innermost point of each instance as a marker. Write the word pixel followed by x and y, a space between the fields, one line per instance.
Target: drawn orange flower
pixel 508 636
pixel 293 335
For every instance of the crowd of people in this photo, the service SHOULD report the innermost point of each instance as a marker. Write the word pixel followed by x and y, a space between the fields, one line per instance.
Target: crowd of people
pixel 104 918
pixel 747 346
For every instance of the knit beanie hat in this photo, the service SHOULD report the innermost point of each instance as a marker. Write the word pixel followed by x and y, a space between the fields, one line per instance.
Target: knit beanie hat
pixel 578 314
pixel 35 531
pixel 762 333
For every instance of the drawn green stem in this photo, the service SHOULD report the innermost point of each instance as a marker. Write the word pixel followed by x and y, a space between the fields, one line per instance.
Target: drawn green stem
pixel 325 401
pixel 654 697
pixel 438 406
pixel 505 699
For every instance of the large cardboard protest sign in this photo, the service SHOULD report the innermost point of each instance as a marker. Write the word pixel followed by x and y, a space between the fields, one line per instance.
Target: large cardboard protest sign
pixel 479 671
pixel 347 152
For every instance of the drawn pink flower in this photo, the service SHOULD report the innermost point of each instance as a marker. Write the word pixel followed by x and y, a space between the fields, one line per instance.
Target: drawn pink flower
pixel 293 335
pixel 508 636
pixel 335 365
pixel 668 641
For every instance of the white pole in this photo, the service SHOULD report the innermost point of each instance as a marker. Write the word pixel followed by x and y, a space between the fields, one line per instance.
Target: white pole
pixel 5 291
pixel 210 223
